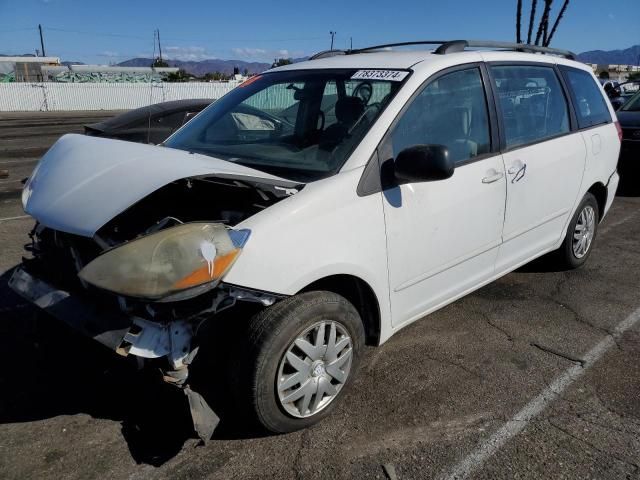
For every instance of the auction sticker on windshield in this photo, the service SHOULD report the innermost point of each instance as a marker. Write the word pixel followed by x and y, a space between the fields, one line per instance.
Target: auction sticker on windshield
pixel 393 75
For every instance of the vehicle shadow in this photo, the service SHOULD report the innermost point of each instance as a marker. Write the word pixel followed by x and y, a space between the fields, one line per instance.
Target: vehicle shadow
pixel 544 264
pixel 50 370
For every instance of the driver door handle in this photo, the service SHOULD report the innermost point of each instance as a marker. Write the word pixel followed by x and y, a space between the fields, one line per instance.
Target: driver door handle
pixel 493 178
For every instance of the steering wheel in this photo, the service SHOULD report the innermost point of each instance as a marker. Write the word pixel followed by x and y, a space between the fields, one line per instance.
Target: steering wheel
pixel 364 91
pixel 374 107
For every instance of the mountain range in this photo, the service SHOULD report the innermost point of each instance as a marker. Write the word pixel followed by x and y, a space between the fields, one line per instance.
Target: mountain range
pixel 205 66
pixel 628 56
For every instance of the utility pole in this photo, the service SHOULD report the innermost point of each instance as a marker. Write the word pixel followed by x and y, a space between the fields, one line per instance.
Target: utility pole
pixel 41 40
pixel 333 34
pixel 159 46
pixel 351 43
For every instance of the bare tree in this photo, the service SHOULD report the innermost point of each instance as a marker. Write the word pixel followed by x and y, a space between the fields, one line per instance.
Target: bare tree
pixel 518 21
pixel 555 24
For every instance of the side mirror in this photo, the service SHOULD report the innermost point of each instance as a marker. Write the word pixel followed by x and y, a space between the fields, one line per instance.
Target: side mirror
pixel 423 163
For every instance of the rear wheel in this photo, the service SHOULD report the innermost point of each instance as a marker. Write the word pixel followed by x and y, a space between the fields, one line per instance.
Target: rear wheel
pixel 303 353
pixel 581 233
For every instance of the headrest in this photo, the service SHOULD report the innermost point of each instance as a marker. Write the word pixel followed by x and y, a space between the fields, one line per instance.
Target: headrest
pixel 349 109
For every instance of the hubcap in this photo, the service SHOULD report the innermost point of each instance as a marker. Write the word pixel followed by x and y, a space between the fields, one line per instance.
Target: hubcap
pixel 584 230
pixel 314 369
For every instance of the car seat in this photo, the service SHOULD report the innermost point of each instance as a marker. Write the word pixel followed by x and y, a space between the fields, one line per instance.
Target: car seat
pixel 348 110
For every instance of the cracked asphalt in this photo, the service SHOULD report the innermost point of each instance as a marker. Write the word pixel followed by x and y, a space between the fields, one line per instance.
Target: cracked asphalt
pixel 422 403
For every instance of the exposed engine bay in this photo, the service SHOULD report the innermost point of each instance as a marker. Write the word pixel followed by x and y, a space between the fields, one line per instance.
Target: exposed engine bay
pixel 216 200
pixel 142 327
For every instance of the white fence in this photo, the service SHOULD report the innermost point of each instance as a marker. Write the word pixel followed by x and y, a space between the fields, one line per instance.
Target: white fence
pixel 51 96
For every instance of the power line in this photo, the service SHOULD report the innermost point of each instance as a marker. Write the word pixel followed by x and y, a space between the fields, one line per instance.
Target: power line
pixel 222 40
pixel 12 30
pixel 99 34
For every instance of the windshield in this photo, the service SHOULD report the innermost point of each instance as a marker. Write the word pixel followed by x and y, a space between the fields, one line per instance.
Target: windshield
pixel 301 125
pixel 633 104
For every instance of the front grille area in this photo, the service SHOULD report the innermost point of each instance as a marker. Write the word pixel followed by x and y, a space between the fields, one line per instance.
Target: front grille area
pixel 59 256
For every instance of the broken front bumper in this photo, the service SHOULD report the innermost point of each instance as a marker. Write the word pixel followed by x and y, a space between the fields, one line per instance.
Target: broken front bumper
pixel 125 335
pixel 106 327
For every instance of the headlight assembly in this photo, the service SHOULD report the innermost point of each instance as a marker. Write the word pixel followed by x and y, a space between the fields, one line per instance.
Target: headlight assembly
pixel 169 261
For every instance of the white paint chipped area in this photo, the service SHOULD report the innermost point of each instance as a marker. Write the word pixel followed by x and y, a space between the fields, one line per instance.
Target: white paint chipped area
pixel 520 420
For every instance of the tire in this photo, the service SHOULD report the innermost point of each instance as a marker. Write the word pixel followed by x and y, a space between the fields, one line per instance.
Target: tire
pixel 270 359
pixel 568 255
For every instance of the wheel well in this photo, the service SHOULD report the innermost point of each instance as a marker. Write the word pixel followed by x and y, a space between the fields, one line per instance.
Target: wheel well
pixel 599 191
pixel 361 296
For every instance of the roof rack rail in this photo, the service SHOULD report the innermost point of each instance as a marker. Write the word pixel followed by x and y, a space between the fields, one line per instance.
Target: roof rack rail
pixel 459 45
pixel 401 44
pixel 328 53
pixel 453 46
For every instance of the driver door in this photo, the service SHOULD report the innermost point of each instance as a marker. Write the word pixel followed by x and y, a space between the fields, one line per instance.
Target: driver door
pixel 443 236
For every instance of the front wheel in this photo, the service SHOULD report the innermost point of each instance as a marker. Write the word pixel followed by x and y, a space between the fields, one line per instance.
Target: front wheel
pixel 581 233
pixel 303 353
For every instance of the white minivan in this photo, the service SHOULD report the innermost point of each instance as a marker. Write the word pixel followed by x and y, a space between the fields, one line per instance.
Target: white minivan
pixel 316 208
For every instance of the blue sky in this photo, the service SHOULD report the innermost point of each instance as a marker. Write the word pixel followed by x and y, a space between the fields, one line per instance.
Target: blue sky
pixel 115 30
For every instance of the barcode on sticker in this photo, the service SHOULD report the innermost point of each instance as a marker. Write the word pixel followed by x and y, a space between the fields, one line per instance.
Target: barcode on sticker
pixel 393 75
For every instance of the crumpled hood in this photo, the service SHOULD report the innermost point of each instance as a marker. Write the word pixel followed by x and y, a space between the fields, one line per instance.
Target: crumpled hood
pixel 83 182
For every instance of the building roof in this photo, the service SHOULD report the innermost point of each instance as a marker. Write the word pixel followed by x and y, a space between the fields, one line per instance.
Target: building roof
pixel 30 59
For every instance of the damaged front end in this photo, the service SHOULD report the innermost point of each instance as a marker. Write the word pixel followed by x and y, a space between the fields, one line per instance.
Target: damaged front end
pixel 148 279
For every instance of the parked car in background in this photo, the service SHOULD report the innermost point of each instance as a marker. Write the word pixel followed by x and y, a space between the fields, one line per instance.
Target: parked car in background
pixel 152 124
pixel 620 93
pixel 608 83
pixel 284 243
pixel 629 118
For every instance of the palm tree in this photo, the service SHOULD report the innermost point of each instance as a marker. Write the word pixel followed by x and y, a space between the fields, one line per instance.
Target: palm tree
pixel 555 25
pixel 532 17
pixel 518 21
pixel 544 21
pixel 543 35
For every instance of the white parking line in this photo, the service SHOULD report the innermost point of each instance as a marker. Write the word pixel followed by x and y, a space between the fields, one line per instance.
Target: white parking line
pixel 6 219
pixel 513 427
pixel 610 226
pixel 25 160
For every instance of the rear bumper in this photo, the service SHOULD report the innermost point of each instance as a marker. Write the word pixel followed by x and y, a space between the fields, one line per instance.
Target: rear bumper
pixel 106 327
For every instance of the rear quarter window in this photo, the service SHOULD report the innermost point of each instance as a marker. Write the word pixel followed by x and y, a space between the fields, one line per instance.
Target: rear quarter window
pixel 532 103
pixel 590 104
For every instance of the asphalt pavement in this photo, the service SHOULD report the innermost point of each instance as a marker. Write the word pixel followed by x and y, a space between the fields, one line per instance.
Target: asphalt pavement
pixel 536 375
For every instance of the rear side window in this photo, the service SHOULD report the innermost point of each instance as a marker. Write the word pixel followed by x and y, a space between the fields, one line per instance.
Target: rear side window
pixel 591 107
pixel 532 102
pixel 450 111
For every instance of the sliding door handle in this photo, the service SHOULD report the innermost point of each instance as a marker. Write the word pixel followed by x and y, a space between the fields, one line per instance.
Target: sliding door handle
pixel 518 171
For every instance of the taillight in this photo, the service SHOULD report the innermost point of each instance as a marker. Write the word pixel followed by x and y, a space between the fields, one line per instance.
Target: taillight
pixel 619 128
